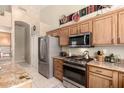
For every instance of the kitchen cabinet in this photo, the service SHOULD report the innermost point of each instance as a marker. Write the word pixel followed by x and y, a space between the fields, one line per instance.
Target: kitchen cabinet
pixel 64 36
pixel 120 38
pixel 54 33
pixel 5 39
pixel 58 68
pixel 85 26
pixel 99 81
pixel 102 78
pixel 121 80
pixel 74 30
pixel 105 29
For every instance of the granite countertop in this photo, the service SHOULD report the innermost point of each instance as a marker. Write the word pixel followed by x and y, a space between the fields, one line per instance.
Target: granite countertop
pixel 12 75
pixel 59 57
pixel 119 66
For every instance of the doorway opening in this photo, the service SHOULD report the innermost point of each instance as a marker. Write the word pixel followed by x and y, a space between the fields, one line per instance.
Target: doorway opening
pixel 22 42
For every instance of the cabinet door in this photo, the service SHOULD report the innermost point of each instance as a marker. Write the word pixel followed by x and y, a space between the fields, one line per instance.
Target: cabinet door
pixel 99 81
pixel 58 69
pixel 54 33
pixel 5 39
pixel 105 29
pixel 121 28
pixel 121 80
pixel 73 30
pixel 86 26
pixel 64 36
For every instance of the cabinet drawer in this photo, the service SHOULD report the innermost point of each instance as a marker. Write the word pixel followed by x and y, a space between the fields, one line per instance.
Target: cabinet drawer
pixel 58 67
pixel 59 61
pixel 100 71
pixel 58 75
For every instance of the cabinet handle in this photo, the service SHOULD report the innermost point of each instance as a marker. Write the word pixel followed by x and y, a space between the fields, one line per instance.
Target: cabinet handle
pixel 99 71
pixel 118 40
pixel 79 29
pixel 112 41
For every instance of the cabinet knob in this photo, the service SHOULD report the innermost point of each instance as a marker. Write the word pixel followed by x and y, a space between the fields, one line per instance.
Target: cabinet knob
pixel 112 41
pixel 118 40
pixel 99 71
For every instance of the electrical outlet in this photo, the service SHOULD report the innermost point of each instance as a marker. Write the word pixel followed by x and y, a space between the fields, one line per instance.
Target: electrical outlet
pixel 104 51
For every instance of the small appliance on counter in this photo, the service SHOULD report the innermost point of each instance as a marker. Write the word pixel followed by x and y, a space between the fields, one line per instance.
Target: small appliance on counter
pixel 111 58
pixel 100 56
pixel 63 54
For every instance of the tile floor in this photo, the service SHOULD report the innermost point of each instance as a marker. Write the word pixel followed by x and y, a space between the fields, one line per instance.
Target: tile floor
pixel 40 81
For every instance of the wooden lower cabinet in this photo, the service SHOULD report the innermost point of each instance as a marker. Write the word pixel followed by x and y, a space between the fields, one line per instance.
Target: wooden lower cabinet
pixel 102 78
pixel 58 68
pixel 99 81
pixel 121 80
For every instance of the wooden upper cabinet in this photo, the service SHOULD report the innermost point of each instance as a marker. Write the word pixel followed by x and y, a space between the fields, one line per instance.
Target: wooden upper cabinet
pixel 64 36
pixel 54 33
pixel 105 29
pixel 73 30
pixel 5 39
pixel 85 26
pixel 120 38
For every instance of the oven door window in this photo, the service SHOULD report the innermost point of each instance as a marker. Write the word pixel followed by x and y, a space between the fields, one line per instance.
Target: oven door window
pixel 75 75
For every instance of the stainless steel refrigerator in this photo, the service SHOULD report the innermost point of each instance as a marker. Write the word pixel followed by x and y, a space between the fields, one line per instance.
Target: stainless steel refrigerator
pixel 48 47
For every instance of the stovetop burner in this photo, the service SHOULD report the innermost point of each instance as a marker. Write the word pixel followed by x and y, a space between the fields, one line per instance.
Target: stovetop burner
pixel 77 60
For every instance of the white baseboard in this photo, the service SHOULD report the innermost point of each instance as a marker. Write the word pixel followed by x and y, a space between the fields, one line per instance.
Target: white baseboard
pixel 19 61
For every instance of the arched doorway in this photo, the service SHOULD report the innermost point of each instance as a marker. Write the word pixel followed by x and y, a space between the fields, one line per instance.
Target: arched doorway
pixel 22 42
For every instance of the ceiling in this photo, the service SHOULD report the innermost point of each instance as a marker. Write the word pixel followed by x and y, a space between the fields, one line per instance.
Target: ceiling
pixel 41 7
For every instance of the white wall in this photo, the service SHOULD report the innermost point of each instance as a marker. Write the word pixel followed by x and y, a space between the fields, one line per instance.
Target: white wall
pixel 32 17
pixel 50 15
pixel 43 28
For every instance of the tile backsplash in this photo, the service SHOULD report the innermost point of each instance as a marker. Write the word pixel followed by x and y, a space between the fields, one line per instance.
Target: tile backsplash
pixel 117 50
pixel 5 50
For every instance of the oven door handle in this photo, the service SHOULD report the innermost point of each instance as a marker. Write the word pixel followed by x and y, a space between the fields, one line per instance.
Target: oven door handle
pixel 77 67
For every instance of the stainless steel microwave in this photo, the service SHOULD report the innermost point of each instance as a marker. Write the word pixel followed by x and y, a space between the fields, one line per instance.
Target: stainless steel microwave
pixel 82 40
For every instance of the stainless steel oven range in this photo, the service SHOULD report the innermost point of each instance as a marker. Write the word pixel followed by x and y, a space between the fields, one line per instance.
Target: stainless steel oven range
pixel 74 75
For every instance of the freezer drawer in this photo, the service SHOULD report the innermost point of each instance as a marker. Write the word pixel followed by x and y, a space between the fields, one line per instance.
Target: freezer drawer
pixel 43 69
